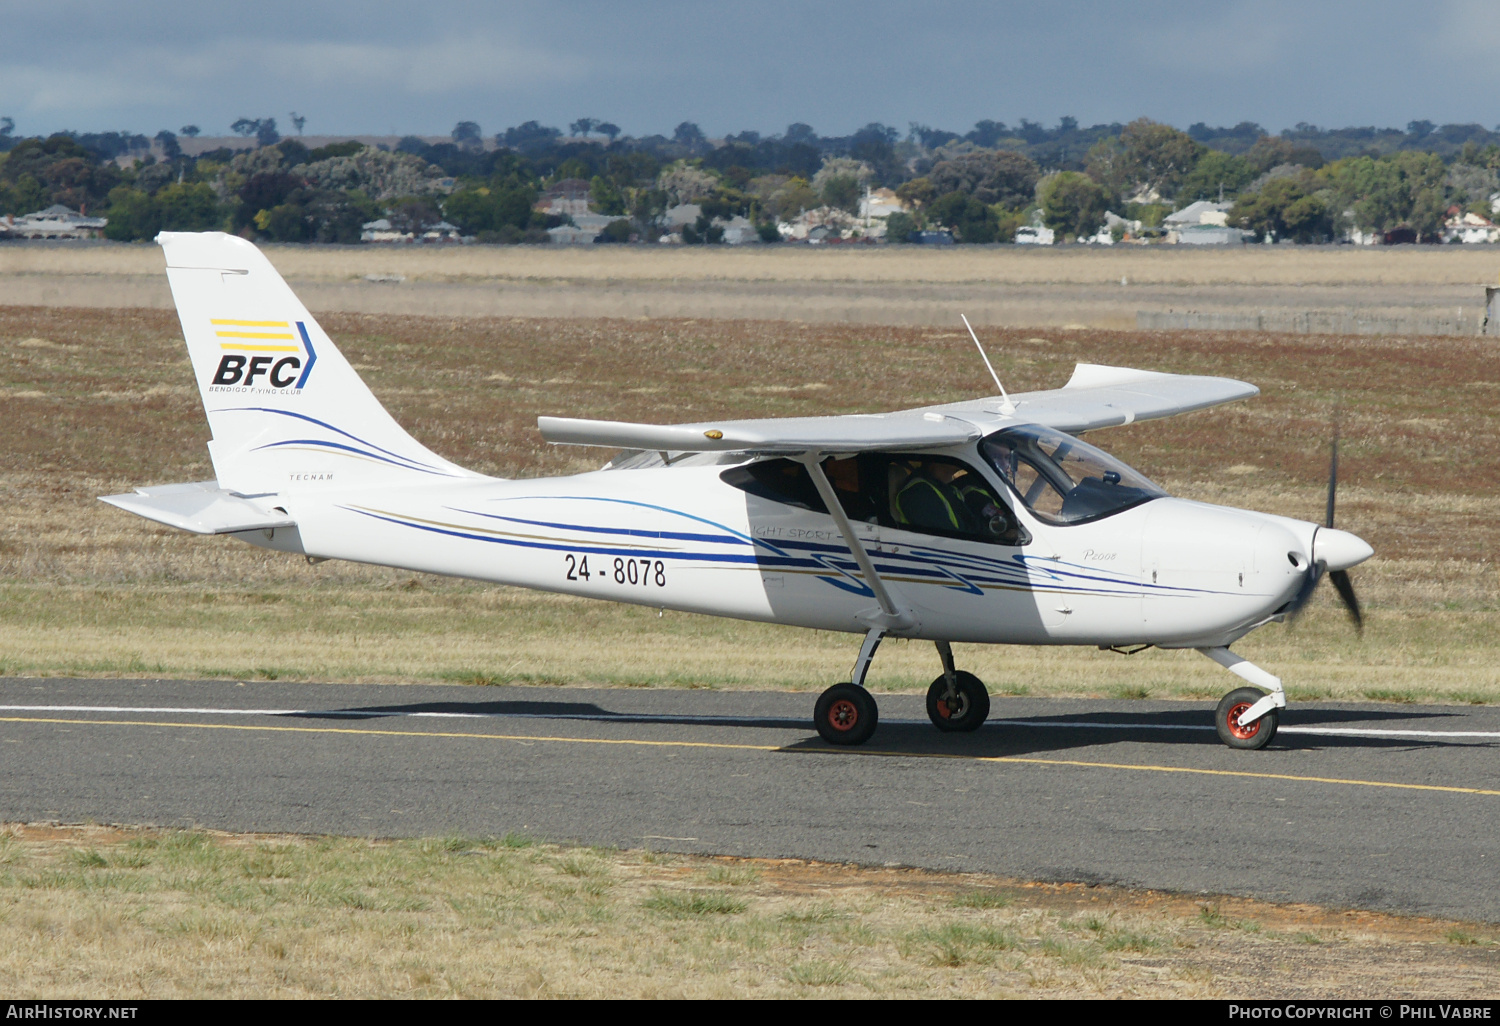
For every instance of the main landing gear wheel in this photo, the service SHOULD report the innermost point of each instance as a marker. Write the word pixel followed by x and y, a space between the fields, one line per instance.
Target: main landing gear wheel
pixel 845 715
pixel 964 709
pixel 1251 736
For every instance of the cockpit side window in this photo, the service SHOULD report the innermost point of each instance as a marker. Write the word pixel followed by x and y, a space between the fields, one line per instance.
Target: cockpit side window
pixel 926 494
pixel 779 480
pixel 944 496
pixel 1064 480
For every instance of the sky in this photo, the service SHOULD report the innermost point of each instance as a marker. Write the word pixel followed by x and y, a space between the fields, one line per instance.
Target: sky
pixel 379 67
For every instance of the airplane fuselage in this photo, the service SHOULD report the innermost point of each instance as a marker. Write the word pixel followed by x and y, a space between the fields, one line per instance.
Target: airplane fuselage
pixel 1169 571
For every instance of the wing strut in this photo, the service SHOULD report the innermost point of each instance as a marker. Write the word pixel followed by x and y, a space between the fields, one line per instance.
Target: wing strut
pixel 890 615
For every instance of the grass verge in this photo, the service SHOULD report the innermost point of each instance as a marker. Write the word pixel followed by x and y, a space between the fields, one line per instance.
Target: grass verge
pixel 138 913
pixel 101 400
pixel 452 632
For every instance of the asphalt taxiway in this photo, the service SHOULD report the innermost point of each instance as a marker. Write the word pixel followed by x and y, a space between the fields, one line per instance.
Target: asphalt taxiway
pixel 1395 808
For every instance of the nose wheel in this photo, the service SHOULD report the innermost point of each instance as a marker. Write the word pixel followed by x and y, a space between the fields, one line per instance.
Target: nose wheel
pixel 1253 735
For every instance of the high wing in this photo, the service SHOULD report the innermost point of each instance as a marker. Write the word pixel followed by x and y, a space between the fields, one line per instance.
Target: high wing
pixel 911 429
pixel 201 507
pixel 1095 397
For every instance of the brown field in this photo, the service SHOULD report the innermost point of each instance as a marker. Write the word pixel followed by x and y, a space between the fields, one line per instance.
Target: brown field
pixel 90 911
pixel 97 401
pixel 999 265
pixel 101 401
pixel 999 286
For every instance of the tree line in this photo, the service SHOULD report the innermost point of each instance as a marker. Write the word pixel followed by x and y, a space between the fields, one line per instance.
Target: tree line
pixel 1305 184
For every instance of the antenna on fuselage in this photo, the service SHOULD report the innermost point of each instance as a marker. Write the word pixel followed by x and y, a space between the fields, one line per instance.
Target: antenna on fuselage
pixel 1006 406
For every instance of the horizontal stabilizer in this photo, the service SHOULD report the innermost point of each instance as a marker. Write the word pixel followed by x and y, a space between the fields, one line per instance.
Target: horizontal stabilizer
pixel 789 435
pixel 201 507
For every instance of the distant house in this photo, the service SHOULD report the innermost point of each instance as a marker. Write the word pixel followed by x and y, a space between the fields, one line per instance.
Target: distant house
pixel 445 232
pixel 55 222
pixel 682 214
pixel 1469 228
pixel 569 198
pixel 1207 235
pixel 805 227
pixel 1105 236
pixel 1201 212
pixel 1031 235
pixel 383 231
pixel 574 235
pixel 880 203
pixel 1203 223
pixel 738 231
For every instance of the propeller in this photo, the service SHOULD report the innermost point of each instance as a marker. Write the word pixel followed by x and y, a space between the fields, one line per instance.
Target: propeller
pixel 1336 547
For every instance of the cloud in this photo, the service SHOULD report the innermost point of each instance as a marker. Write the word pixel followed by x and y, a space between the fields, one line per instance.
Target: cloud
pixel 152 75
pixel 1227 40
pixel 116 81
pixel 426 69
pixel 377 64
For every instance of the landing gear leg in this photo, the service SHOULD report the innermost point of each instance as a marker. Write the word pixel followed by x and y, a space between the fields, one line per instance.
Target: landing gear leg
pixel 846 713
pixel 1247 717
pixel 956 701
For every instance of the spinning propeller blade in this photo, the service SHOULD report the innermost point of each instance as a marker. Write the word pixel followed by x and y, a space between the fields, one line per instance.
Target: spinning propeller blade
pixel 1345 588
pixel 1316 570
pixel 1333 476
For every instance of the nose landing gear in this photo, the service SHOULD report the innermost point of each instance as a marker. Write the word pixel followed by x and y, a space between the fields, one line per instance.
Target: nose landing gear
pixel 1247 717
pixel 1255 734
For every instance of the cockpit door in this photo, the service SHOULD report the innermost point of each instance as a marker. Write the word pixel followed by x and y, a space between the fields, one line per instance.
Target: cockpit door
pixel 946 537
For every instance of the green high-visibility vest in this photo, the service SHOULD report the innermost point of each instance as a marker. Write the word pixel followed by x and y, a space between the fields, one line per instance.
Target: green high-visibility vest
pixel 924 490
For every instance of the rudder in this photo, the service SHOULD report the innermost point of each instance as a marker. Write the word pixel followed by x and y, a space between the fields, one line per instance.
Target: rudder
pixel 287 411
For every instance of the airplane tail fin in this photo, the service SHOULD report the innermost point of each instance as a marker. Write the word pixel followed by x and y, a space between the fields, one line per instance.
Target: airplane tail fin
pixel 287 411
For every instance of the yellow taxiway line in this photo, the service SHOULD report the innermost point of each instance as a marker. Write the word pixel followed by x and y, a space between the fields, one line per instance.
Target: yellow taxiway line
pixel 1029 760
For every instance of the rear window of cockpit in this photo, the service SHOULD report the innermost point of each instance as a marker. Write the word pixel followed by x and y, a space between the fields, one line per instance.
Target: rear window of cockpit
pixel 1064 480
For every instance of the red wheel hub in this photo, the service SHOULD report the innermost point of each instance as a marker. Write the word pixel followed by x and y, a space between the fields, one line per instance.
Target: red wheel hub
pixel 843 715
pixel 1246 732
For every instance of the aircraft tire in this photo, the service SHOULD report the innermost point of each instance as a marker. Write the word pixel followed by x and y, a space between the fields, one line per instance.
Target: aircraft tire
pixel 846 714
pixel 973 706
pixel 1256 735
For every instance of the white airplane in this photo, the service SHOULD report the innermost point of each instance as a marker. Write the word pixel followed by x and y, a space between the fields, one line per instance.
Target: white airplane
pixel 983 521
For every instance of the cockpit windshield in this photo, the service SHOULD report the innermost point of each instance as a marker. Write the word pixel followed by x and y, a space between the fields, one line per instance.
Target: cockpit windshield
pixel 1061 479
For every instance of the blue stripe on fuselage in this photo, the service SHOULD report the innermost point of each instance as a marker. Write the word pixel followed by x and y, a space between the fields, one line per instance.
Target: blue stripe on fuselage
pixel 956 571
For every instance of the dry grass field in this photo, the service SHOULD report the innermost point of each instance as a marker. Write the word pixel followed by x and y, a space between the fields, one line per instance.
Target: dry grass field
pixel 133 913
pixel 100 401
pixel 901 265
pixel 1000 286
pixel 97 401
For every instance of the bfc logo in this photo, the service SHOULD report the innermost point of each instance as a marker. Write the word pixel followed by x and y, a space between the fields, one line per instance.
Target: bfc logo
pixel 258 357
